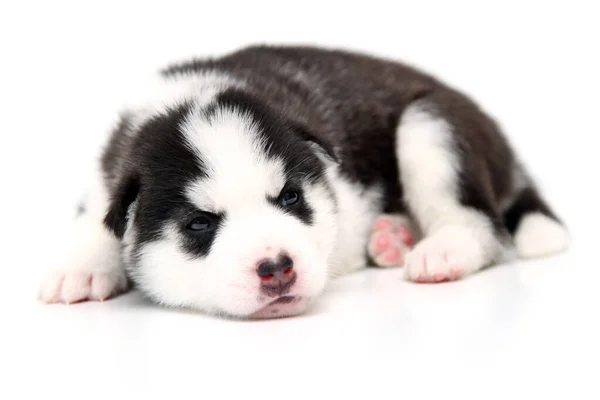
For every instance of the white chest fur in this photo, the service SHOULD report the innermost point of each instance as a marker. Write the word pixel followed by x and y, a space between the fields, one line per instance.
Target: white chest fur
pixel 357 209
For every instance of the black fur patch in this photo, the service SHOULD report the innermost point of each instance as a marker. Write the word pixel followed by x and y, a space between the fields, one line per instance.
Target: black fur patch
pixel 527 201
pixel 198 245
pixel 159 166
pixel 123 198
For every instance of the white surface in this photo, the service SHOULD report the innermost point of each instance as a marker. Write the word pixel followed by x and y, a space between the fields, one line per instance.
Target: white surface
pixel 525 330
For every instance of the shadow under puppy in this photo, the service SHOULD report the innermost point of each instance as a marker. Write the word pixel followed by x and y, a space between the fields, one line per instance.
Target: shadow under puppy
pixel 240 185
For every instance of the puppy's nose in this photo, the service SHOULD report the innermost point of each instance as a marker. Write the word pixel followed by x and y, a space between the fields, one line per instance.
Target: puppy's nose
pixel 277 276
pixel 269 268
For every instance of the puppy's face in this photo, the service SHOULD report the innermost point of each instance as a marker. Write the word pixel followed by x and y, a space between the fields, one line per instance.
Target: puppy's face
pixel 226 209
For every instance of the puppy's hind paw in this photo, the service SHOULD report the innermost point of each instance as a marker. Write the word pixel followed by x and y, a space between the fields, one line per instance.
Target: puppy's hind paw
pixel 391 238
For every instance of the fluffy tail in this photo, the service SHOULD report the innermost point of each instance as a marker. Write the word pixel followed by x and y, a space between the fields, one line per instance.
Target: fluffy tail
pixel 536 229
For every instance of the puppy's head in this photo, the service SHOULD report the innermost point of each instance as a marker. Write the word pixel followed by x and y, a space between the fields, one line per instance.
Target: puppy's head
pixel 226 208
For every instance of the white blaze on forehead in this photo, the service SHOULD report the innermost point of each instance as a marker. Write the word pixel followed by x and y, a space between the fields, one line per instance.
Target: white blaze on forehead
pixel 231 148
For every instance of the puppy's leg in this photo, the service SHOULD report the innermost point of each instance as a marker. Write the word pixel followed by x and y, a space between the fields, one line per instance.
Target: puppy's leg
pixel 92 269
pixel 460 231
pixel 392 237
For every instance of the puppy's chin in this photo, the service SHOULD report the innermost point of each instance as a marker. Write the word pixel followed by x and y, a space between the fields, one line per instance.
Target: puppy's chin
pixel 280 307
pixel 285 306
pixel 288 305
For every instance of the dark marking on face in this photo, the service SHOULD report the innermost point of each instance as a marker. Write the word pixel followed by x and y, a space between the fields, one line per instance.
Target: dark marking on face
pixel 199 243
pixel 158 171
pixel 300 209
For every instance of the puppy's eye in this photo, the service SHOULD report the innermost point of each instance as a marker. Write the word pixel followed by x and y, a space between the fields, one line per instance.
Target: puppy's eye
pixel 289 198
pixel 199 224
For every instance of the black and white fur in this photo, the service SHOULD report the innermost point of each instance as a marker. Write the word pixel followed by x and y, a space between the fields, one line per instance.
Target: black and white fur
pixel 355 136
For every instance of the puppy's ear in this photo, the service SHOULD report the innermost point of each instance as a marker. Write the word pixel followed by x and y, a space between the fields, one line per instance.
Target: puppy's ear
pixel 321 146
pixel 118 210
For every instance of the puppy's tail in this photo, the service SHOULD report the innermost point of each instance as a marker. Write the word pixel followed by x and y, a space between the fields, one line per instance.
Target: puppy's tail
pixel 536 229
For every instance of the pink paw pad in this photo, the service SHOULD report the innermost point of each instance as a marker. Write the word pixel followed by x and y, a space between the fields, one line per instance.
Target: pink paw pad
pixel 390 240
pixel 382 224
pixel 382 242
pixel 392 255
pixel 405 234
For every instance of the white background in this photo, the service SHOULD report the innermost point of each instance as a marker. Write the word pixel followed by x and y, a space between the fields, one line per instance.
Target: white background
pixel 524 330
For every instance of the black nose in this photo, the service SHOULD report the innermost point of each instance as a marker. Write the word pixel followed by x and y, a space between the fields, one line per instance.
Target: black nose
pixel 270 268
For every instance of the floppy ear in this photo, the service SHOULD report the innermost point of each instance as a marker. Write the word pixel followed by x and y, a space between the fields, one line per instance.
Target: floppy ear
pixel 126 193
pixel 320 145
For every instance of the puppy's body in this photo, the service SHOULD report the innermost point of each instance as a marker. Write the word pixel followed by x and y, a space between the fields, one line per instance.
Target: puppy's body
pixel 286 158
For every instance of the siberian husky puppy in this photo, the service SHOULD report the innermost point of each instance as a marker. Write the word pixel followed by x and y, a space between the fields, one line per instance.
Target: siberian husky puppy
pixel 243 183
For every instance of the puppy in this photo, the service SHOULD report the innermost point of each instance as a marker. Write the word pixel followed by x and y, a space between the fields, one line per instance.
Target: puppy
pixel 241 184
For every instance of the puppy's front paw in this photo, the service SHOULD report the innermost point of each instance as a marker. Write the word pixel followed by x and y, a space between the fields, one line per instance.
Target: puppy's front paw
pixel 448 254
pixel 391 238
pixel 75 285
